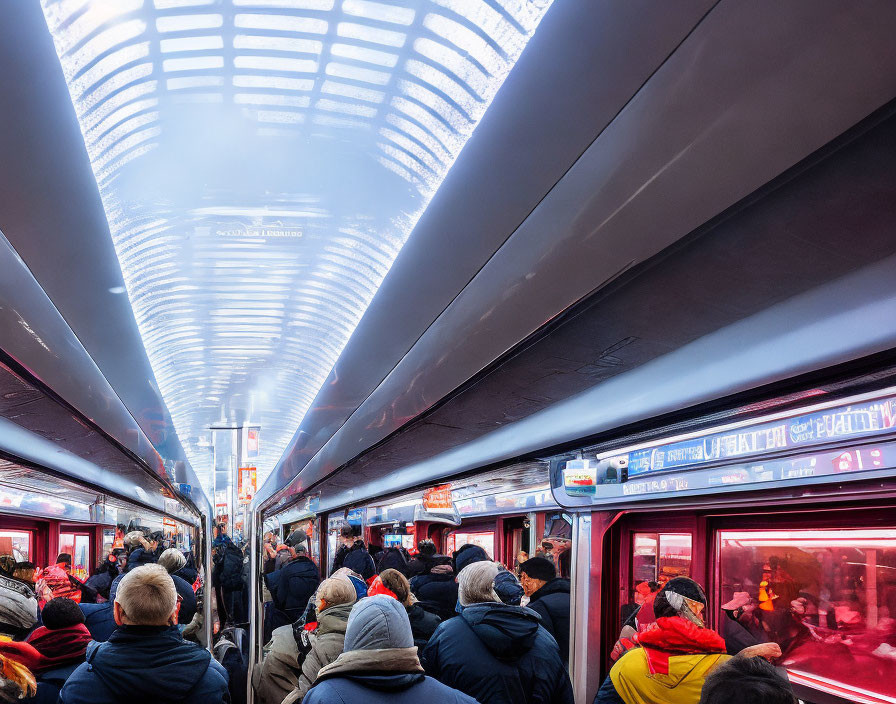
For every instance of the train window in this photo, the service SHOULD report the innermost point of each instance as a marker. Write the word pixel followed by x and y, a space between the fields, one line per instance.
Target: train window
pixel 827 597
pixel 16 543
pixel 78 546
pixel 485 540
pixel 658 557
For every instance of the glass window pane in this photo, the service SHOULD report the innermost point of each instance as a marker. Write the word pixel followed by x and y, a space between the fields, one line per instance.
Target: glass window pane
pixel 675 556
pixel 827 597
pixel 485 540
pixel 644 549
pixel 78 546
pixel 16 543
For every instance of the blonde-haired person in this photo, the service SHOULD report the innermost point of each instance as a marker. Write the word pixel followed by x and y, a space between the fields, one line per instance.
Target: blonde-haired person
pixel 335 599
pixel 146 658
pixel 423 623
pixel 291 655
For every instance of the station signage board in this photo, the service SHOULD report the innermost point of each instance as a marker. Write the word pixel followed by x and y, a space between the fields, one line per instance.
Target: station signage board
pixel 438 499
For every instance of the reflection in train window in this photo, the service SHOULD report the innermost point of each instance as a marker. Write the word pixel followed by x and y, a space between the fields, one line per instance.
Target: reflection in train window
pixel 827 597
pixel 16 543
pixel 485 540
pixel 658 557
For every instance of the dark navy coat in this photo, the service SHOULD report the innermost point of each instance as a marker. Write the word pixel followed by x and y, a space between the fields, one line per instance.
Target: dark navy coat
pixel 551 602
pixel 138 558
pixel 356 558
pixel 293 585
pixel 99 620
pixel 188 599
pixel 499 654
pixel 423 625
pixel 437 593
pixel 49 684
pixel 146 664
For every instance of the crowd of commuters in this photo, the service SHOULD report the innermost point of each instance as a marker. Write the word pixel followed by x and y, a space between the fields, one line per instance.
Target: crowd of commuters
pixel 116 636
pixel 390 628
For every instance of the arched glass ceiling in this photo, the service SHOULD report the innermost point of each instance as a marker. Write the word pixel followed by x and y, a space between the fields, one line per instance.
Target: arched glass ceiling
pixel 261 163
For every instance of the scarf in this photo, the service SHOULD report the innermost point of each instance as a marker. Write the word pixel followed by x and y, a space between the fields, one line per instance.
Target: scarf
pixel 61 646
pixel 380 661
pixel 674 635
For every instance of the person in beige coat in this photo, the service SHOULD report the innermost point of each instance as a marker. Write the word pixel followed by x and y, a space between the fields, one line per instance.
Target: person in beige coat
pixel 335 598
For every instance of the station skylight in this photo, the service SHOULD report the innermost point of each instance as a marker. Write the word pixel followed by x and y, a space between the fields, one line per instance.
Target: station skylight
pixel 261 163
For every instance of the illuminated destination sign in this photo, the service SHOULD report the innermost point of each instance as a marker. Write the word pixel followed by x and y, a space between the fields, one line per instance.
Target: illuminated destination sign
pixel 840 423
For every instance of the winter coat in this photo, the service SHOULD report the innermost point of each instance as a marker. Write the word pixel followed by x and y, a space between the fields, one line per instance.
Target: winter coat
pixel 392 558
pixel 379 664
pixel 143 664
pixel 102 580
pixel 188 574
pixel 100 620
pixel 188 599
pixel 138 558
pixel 279 673
pixel 423 625
pixel 49 684
pixel 55 582
pixel 356 558
pixel 423 564
pixel 231 570
pixel 293 585
pixel 670 667
pixel 551 602
pixel 324 645
pixel 437 592
pixel 499 654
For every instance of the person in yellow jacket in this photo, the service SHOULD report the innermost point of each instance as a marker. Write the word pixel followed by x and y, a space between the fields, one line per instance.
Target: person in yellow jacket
pixel 673 656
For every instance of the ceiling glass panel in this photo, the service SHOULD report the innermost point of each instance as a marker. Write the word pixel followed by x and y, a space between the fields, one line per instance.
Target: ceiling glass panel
pixel 261 163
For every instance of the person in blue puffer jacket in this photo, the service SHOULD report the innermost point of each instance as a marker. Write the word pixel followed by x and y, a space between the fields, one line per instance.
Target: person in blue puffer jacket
pixel 146 659
pixel 379 662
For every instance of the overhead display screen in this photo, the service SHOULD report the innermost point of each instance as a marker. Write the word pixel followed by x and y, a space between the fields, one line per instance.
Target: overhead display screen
pixel 839 423
pixel 821 441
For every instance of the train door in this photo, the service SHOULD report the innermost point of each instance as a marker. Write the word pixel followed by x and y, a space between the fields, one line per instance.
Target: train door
pixel 517 532
pixel 78 542
pixel 651 551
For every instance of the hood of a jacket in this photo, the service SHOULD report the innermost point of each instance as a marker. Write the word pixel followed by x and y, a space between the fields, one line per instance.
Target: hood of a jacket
pixel 123 663
pixel 376 666
pixel 507 631
pixel 558 585
pixel 333 619
pixel 376 623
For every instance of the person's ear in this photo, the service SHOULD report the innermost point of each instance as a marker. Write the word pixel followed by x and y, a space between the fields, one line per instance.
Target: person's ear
pixel 118 613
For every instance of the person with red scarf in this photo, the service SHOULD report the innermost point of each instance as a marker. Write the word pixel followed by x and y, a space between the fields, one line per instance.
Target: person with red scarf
pixel 63 638
pixel 674 655
pixel 53 651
